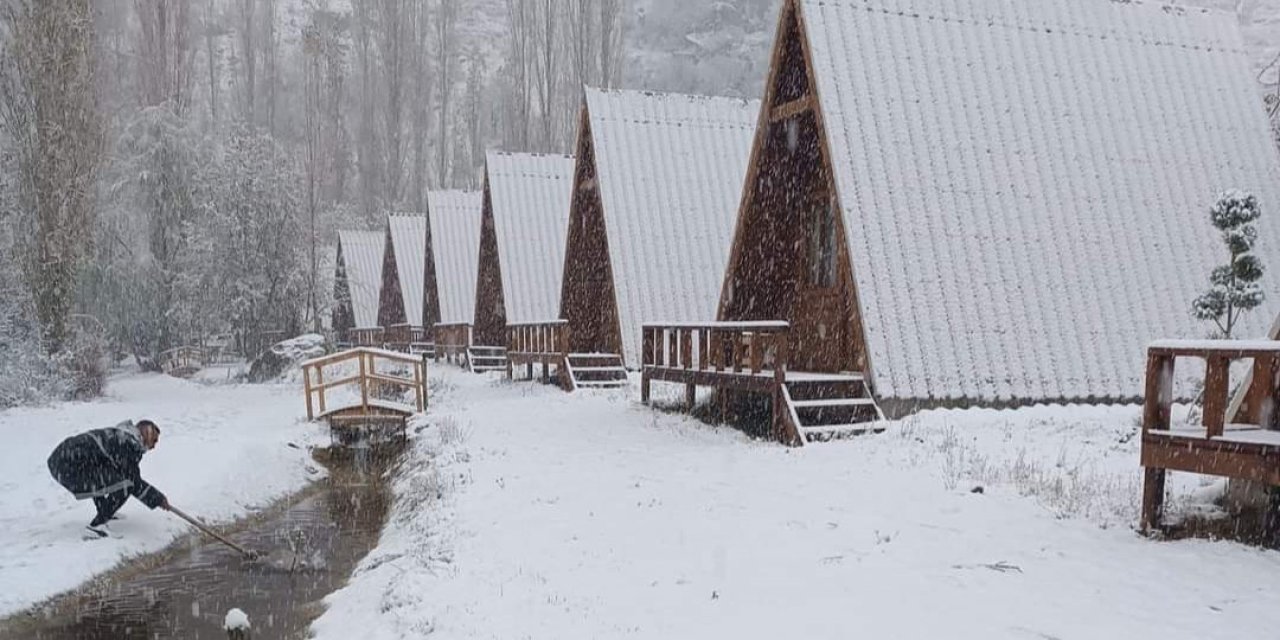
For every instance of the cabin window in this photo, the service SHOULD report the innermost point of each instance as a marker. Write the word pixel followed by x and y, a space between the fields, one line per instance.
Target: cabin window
pixel 822 244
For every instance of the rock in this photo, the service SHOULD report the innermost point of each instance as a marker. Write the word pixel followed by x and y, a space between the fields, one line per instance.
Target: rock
pixel 282 356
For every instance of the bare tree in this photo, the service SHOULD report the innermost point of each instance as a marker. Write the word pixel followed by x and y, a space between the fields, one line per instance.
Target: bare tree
pixel 446 59
pixel 547 70
pixel 165 54
pixel 249 57
pixel 518 67
pixel 610 42
pixel 50 115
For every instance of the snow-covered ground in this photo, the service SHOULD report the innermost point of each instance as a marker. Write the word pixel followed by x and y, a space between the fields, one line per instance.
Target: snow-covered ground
pixel 530 513
pixel 224 451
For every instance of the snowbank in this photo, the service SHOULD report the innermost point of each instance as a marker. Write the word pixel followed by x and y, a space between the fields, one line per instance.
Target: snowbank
pixel 224 451
pixel 535 514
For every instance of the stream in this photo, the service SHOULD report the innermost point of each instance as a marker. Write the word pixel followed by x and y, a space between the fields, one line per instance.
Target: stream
pixel 310 546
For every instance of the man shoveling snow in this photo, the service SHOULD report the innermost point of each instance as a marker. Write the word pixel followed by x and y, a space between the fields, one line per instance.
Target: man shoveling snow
pixel 103 464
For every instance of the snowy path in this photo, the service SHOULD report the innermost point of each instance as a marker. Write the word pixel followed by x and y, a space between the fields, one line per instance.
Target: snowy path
pixel 223 452
pixel 587 516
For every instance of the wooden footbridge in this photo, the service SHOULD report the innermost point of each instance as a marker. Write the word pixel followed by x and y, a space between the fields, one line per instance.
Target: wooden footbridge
pixel 365 389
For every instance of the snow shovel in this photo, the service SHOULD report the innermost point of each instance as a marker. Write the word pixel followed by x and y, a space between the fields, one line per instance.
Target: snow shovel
pixel 249 554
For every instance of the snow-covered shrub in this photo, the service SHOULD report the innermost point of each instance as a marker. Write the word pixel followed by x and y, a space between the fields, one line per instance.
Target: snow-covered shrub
pixel 1234 286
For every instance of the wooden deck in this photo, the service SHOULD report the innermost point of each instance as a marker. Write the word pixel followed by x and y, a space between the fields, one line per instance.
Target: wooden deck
pixel 374 383
pixel 540 343
pixel 1240 450
pixel 453 339
pixel 753 357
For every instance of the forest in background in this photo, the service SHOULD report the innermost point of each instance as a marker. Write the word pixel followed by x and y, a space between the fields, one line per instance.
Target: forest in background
pixel 176 169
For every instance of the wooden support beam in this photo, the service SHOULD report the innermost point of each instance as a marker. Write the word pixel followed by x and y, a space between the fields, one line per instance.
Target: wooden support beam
pixel 791 109
pixel 1215 395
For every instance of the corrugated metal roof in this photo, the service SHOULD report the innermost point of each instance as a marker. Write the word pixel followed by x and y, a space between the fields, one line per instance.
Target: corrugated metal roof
pixel 530 195
pixel 1025 185
pixel 409 242
pixel 362 253
pixel 670 169
pixel 455 238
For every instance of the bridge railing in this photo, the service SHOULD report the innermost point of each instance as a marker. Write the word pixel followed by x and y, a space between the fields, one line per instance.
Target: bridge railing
pixel 366 370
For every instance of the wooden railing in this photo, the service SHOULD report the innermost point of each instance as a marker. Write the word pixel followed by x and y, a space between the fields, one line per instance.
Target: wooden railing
pixel 551 337
pixel 1250 453
pixel 366 337
pixel 405 338
pixel 186 358
pixel 452 340
pixel 374 369
pixel 721 347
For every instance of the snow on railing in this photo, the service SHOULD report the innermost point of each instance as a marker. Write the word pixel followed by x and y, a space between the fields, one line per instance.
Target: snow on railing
pixel 452 340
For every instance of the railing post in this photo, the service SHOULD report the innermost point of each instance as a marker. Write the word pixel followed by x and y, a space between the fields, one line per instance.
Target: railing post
pixel 320 381
pixel 1215 395
pixel 419 379
pixel 364 382
pixel 306 386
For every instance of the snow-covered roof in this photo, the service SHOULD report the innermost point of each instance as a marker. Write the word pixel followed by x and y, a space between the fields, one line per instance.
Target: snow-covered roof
pixel 670 170
pixel 530 195
pixel 409 242
pixel 362 253
pixel 1026 184
pixel 455 239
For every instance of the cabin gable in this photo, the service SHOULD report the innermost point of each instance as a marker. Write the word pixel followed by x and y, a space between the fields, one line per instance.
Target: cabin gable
pixel 790 258
pixel 587 299
pixel 391 299
pixel 491 312
pixel 343 316
pixel 431 288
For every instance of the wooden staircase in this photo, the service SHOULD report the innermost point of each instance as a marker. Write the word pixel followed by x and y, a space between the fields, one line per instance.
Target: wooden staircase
pixel 596 371
pixel 484 359
pixel 827 407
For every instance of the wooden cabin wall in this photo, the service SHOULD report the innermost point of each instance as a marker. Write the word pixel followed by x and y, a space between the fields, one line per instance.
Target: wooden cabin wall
pixel 390 299
pixel 788 225
pixel 343 317
pixel 430 288
pixel 490 327
pixel 587 297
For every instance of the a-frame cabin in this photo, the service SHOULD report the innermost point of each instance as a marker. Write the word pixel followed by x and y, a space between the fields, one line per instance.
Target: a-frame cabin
pixel 656 192
pixel 455 234
pixel 983 203
pixel 525 210
pixel 357 287
pixel 406 283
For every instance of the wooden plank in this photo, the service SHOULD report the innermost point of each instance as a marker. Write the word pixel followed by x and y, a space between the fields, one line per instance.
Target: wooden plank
pixel 703 341
pixel 757 352
pixel 1152 417
pixel 1260 398
pixel 1223 458
pixel 306 387
pixel 686 348
pixel 646 349
pixel 1215 394
pixel 791 109
pixel 673 339
pixel 364 383
pixel 320 380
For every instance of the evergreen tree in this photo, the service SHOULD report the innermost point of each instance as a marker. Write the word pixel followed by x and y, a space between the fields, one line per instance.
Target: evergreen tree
pixel 1234 286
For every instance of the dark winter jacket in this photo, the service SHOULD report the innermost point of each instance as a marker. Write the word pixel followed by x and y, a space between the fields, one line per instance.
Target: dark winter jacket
pixel 104 461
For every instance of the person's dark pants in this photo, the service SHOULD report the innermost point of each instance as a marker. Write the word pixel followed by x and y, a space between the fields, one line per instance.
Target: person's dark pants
pixel 107 506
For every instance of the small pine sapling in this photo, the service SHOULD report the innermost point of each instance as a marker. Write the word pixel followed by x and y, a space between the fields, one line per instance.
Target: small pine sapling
pixel 1234 287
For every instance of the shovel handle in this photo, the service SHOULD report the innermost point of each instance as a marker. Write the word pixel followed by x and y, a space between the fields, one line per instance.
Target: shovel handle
pixel 210 532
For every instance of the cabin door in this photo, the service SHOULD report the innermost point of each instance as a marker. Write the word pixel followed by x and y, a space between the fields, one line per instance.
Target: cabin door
pixel 819 320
